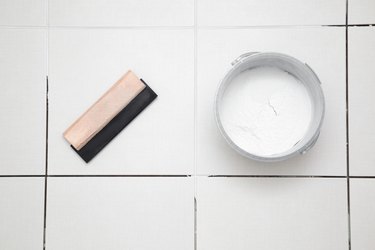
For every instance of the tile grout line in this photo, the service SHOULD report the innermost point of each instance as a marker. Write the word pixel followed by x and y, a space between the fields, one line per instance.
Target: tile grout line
pixel 350 25
pixel 46 172
pixel 187 27
pixel 190 176
pixel 123 176
pixel 195 117
pixel 195 224
pixel 22 176
pixel 181 27
pixel 195 92
pixel 47 128
pixel 166 27
pixel 280 176
pixel 347 121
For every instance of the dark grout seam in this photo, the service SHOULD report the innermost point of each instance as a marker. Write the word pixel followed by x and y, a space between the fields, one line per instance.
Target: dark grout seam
pixel 279 176
pixel 46 169
pixel 349 25
pixel 21 176
pixel 361 25
pixel 334 25
pixel 347 116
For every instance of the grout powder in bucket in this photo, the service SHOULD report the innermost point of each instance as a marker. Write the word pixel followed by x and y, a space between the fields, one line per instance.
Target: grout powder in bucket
pixel 265 111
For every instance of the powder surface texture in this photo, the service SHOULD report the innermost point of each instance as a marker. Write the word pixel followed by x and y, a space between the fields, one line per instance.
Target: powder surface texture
pixel 265 111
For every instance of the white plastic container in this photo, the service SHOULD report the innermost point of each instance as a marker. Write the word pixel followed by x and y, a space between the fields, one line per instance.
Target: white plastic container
pixel 300 71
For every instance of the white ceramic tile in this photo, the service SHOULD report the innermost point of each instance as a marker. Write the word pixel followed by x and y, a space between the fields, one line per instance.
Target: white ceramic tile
pixel 21 12
pixel 270 12
pixel 121 13
pixel 85 63
pixel 21 213
pixel 362 213
pixel 271 213
pixel 120 213
pixel 22 101
pixel 361 100
pixel 322 48
pixel 361 11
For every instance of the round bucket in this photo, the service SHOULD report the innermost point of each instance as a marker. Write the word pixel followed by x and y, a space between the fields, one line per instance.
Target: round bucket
pixel 294 67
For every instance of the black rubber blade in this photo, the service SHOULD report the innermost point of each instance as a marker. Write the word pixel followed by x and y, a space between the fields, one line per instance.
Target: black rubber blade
pixel 118 123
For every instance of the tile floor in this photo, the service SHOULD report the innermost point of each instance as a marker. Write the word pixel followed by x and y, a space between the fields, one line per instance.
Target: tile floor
pixel 169 181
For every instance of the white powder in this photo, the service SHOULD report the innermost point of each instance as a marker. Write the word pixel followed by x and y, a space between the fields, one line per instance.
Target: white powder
pixel 265 111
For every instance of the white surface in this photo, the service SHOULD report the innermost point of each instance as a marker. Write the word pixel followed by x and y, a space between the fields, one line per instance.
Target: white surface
pixel 21 213
pixel 362 210
pixel 100 40
pixel 361 11
pixel 217 48
pixel 21 12
pixel 265 111
pixel 273 213
pixel 361 100
pixel 120 213
pixel 121 13
pixel 270 12
pixel 22 101
pixel 161 139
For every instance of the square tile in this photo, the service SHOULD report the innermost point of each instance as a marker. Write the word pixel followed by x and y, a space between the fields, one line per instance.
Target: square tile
pixel 361 12
pixel 361 100
pixel 23 64
pixel 272 213
pixel 218 48
pixel 269 12
pixel 120 213
pixel 85 63
pixel 21 12
pixel 21 213
pixel 362 213
pixel 121 13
